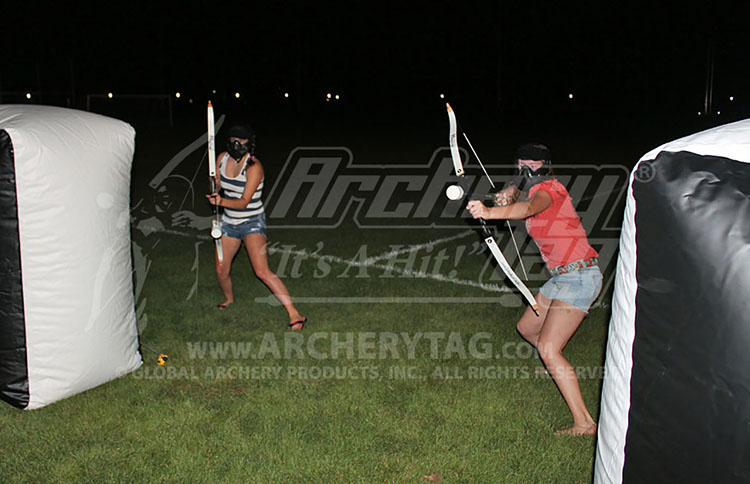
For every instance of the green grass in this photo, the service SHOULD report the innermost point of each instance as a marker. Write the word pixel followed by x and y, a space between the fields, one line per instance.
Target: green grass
pixel 189 426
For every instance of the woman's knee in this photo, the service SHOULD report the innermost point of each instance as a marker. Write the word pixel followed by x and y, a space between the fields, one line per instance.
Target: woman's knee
pixel 523 329
pixel 529 330
pixel 222 271
pixel 548 350
pixel 264 275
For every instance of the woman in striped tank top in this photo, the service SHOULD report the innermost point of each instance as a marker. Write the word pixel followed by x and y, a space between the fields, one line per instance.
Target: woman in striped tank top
pixel 240 175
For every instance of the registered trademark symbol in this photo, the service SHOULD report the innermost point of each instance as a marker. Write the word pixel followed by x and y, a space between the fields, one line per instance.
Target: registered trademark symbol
pixel 645 172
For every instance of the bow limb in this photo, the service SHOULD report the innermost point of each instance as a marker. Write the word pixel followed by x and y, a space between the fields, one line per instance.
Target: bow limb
pixel 503 263
pixel 215 224
pixel 489 240
pixel 453 142
pixel 454 147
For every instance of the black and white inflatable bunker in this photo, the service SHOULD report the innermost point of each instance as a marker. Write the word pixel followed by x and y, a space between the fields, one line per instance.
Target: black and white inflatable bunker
pixel 676 396
pixel 67 319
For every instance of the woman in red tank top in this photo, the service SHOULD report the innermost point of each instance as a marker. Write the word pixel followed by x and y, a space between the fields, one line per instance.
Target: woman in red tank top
pixel 565 299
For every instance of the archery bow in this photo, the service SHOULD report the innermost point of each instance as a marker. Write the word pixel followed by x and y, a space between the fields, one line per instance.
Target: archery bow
pixel 507 222
pixel 488 238
pixel 215 223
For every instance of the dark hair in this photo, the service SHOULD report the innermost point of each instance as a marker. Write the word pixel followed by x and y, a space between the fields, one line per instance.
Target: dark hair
pixel 537 152
pixel 534 151
pixel 240 130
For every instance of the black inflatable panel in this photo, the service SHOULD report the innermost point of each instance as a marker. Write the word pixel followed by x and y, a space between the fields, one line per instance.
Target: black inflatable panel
pixel 689 417
pixel 14 382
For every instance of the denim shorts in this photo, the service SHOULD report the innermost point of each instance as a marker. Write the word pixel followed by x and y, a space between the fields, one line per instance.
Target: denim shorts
pixel 578 288
pixel 254 225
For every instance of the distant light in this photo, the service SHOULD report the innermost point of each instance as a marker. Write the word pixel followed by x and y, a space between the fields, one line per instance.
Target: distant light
pixel 286 94
pixel 700 113
pixel 213 91
pixel 731 98
pixel 338 97
pixel 328 99
pixel 28 95
pixel 442 96
pixel 110 95
pixel 570 96
pixel 237 95
pixel 177 95
pixel 718 113
pixel 328 96
pixel 190 101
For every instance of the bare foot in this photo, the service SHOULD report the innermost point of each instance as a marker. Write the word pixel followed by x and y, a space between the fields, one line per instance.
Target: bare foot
pixel 224 304
pixel 578 430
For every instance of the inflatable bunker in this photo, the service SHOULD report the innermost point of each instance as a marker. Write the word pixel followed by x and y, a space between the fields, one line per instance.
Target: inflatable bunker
pixel 67 319
pixel 676 395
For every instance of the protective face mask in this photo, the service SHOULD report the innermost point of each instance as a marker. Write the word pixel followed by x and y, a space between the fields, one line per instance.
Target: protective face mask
pixel 527 177
pixel 236 150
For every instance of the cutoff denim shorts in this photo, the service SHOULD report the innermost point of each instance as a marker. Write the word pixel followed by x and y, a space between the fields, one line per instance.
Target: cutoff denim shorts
pixel 253 225
pixel 578 288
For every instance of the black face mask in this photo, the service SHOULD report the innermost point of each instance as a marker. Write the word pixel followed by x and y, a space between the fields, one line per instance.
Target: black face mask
pixel 237 150
pixel 527 177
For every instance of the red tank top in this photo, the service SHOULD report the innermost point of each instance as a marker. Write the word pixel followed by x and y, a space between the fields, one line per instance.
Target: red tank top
pixel 557 230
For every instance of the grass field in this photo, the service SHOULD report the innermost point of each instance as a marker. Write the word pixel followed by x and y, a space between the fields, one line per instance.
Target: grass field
pixel 406 368
pixel 218 418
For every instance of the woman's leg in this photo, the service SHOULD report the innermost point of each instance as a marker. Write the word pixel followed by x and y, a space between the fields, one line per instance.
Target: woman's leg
pixel 561 323
pixel 229 247
pixel 530 325
pixel 256 250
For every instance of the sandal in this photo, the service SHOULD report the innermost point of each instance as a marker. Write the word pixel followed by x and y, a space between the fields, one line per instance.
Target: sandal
pixel 300 322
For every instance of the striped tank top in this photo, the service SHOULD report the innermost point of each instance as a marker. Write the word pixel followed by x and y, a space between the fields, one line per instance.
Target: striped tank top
pixel 233 188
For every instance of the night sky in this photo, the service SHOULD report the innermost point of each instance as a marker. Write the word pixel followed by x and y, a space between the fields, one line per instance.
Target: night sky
pixel 518 55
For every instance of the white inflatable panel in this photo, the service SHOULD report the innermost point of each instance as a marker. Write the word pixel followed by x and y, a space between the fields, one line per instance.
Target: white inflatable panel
pixel 73 184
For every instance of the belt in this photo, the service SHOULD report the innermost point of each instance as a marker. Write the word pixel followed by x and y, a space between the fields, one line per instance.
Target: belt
pixel 574 266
